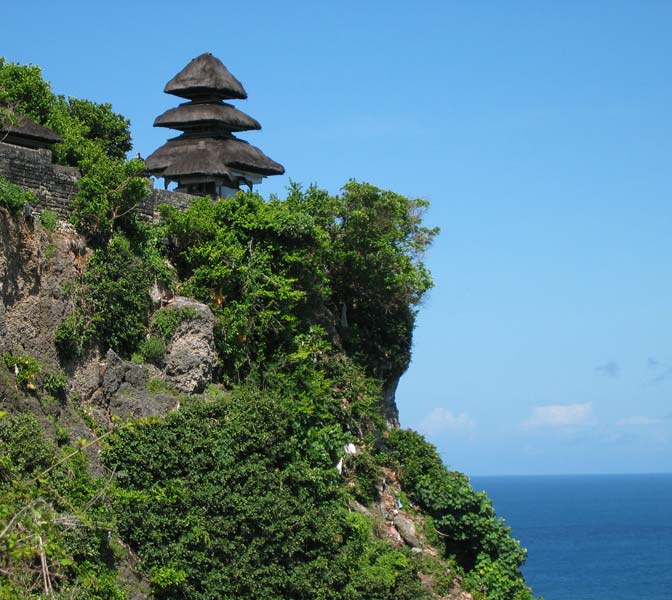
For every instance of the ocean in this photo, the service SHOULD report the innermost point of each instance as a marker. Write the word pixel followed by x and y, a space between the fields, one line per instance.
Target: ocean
pixel 590 537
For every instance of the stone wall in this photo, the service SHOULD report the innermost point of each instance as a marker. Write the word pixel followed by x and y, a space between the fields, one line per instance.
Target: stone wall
pixel 148 209
pixel 56 186
pixel 30 168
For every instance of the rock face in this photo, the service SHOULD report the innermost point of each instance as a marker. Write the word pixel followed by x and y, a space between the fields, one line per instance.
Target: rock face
pixel 35 268
pixel 191 358
pixel 389 404
pixel 114 387
pixel 126 390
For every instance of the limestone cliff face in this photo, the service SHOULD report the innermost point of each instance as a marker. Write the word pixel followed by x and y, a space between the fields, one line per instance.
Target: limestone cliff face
pixel 36 269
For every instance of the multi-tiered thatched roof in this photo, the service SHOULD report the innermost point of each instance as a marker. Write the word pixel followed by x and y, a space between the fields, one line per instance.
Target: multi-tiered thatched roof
pixel 207 158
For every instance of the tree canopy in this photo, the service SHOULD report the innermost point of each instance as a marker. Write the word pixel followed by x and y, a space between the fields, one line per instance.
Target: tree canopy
pixel 273 270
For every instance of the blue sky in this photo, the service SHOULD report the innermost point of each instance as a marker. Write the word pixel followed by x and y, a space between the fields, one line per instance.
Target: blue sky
pixel 541 133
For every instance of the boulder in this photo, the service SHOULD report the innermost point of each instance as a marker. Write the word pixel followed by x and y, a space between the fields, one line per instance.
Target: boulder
pixel 191 357
pixel 406 529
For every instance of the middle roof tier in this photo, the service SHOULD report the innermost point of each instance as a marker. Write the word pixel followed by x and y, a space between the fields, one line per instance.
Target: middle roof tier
pixel 196 115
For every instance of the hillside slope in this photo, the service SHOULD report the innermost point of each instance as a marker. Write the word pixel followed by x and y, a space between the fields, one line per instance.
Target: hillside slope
pixel 243 452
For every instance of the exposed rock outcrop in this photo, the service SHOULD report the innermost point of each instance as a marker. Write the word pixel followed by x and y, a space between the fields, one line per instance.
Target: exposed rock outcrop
pixel 389 403
pixel 114 387
pixel 191 357
pixel 406 529
pixel 36 268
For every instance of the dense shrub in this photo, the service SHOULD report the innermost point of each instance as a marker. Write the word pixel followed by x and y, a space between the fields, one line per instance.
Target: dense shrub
pixel 152 350
pixel 72 335
pixel 23 445
pixel 49 219
pixel 272 270
pixel 112 303
pixel 165 321
pixel 14 198
pixel 52 514
pixel 281 528
pixel 117 284
pixel 107 194
pixel 467 523
pixel 55 383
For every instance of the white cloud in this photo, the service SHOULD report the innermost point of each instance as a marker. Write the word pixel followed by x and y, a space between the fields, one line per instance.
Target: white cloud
pixel 559 415
pixel 441 420
pixel 638 421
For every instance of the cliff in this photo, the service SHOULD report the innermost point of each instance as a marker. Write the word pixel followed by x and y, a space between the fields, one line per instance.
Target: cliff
pixel 188 471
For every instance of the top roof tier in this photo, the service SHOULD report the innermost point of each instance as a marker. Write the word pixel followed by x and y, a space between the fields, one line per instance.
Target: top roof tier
pixel 205 78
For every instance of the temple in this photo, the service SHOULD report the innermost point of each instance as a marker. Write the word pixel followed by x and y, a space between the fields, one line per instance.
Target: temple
pixel 207 159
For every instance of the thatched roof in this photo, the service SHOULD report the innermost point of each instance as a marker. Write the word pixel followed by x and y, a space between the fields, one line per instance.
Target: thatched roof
pixel 205 76
pixel 189 115
pixel 198 162
pixel 230 152
pixel 28 133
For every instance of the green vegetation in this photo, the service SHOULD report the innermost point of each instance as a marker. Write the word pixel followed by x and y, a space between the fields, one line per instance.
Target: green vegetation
pixel 25 367
pixel 55 528
pixel 55 383
pixel 106 196
pixel 152 350
pixel 281 529
pixel 73 334
pixel 14 198
pixel 464 519
pixel 272 270
pixel 95 140
pixel 235 494
pixel 49 219
pixel 88 129
pixel 166 321
pixel 112 302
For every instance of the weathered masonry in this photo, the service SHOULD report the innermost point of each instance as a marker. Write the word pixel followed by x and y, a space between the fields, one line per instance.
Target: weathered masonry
pixel 25 159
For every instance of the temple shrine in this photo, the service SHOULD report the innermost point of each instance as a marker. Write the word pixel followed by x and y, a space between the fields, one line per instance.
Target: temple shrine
pixel 28 134
pixel 207 159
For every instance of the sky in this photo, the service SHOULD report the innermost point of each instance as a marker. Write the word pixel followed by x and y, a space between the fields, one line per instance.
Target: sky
pixel 541 134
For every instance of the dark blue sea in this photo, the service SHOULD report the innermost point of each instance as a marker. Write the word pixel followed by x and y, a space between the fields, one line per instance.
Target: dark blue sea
pixel 590 537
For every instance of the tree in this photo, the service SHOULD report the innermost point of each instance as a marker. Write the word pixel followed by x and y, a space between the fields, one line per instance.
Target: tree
pixel 24 92
pixel 269 269
pixel 107 194
pixel 88 129
pixel 377 273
